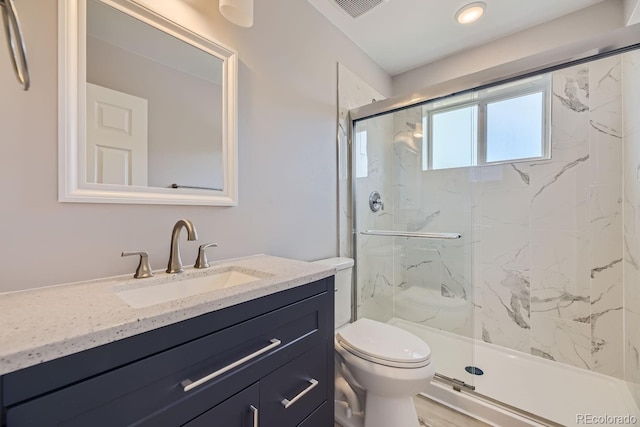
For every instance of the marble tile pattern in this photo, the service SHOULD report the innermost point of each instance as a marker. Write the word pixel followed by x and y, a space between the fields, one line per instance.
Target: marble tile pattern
pixel 374 263
pixel 550 231
pixel 353 92
pixel 426 281
pixel 376 255
pixel 542 260
pixel 43 324
pixel 631 208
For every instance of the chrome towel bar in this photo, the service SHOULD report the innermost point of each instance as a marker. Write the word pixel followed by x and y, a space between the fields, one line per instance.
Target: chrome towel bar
pixel 410 234
pixel 15 42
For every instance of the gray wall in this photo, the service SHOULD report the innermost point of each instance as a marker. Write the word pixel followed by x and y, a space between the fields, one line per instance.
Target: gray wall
pixel 184 118
pixel 567 29
pixel 287 153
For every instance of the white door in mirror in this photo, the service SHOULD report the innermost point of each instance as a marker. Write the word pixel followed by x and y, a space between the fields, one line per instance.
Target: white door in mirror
pixel 116 137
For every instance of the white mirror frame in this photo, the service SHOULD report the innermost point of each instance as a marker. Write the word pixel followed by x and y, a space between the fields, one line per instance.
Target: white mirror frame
pixel 72 175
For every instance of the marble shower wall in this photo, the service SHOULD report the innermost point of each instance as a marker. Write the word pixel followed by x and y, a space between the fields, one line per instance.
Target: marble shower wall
pixel 540 261
pixel 375 255
pixel 550 232
pixel 427 281
pixel 435 289
pixel 631 254
pixel 387 265
pixel 575 224
pixel 353 92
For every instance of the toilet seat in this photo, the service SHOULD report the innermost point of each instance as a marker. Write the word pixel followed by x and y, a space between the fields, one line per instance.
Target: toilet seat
pixel 384 344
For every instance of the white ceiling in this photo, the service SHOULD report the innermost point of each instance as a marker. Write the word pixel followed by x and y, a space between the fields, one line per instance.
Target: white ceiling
pixel 403 34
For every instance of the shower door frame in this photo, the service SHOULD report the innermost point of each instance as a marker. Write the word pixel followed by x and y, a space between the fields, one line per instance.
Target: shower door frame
pixel 610 43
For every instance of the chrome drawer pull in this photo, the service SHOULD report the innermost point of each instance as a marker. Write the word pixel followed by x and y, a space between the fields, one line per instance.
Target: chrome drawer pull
pixel 189 385
pixel 254 411
pixel 286 402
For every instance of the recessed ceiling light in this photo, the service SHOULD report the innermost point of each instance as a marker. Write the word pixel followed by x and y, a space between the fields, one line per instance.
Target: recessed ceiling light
pixel 471 12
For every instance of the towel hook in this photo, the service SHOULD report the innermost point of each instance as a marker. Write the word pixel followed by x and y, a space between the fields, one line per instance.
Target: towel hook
pixel 15 42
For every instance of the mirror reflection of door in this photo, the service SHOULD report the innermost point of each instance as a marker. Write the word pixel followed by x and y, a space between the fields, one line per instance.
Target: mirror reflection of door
pixel 116 137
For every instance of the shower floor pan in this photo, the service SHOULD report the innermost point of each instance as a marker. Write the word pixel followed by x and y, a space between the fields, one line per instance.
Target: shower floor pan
pixel 551 390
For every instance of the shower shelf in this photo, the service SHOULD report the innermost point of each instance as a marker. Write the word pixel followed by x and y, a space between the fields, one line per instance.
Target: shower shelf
pixel 410 234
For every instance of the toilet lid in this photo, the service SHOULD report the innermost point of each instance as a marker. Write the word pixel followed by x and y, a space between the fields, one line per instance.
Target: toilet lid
pixel 384 344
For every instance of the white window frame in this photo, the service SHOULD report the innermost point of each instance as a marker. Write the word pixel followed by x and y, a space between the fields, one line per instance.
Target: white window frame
pixel 540 84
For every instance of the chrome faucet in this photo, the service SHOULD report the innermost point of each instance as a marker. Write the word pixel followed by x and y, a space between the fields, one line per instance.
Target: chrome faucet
pixel 175 263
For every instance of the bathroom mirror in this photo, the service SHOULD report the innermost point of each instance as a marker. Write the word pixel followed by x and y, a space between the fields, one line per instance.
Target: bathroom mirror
pixel 147 109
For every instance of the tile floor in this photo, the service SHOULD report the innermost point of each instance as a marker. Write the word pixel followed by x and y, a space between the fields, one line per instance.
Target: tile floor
pixel 433 414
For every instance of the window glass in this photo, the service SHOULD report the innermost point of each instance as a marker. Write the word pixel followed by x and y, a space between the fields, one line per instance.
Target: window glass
pixel 454 135
pixel 515 128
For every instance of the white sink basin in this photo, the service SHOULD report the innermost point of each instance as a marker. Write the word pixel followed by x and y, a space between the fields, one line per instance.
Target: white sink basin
pixel 182 288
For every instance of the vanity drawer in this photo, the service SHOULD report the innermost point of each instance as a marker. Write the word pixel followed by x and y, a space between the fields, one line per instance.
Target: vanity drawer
pixel 241 410
pixel 150 392
pixel 303 382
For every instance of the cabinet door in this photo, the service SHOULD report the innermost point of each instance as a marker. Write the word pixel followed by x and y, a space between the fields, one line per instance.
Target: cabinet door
pixel 291 393
pixel 321 417
pixel 240 410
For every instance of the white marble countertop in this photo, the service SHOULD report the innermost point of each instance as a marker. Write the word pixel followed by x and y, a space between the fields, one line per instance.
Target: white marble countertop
pixel 43 324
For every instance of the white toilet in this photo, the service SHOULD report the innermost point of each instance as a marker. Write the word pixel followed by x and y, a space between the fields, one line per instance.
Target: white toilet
pixel 379 367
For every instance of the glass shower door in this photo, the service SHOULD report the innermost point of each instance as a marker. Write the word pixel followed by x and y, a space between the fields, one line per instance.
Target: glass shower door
pixel 413 237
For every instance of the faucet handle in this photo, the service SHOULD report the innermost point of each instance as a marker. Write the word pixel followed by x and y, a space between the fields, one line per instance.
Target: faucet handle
pixel 201 261
pixel 144 269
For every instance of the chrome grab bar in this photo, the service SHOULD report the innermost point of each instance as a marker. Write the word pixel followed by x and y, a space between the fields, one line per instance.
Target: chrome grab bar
pixel 286 402
pixel 15 42
pixel 190 385
pixel 410 234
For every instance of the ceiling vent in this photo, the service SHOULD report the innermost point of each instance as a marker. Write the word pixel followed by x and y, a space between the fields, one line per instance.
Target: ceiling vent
pixel 356 8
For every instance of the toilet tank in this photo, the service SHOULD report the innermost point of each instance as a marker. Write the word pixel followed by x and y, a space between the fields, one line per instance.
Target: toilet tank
pixel 343 296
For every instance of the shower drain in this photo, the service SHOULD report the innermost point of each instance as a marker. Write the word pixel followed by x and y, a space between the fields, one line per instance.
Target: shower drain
pixel 473 370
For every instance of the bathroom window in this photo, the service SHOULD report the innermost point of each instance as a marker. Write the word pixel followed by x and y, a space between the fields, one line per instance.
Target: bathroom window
pixel 454 137
pixel 507 123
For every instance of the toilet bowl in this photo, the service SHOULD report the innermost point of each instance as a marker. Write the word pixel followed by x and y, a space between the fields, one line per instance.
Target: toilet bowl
pixel 390 365
pixel 379 367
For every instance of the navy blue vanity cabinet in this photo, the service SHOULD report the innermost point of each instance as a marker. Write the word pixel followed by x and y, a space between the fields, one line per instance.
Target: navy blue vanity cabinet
pixel 267 361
